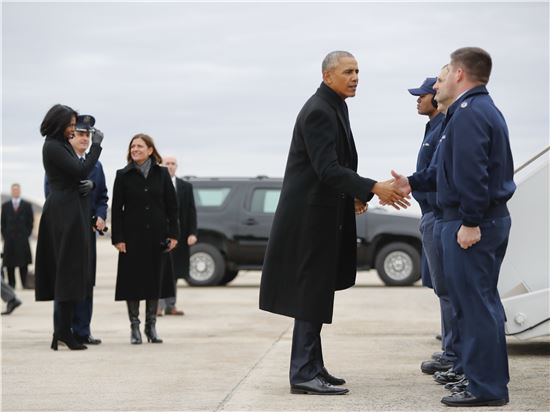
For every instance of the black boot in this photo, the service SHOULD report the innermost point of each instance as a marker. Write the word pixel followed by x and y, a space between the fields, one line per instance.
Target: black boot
pixel 151 321
pixel 133 314
pixel 62 332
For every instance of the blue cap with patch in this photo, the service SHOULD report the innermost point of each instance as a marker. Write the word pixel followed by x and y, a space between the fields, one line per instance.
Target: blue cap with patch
pixel 426 88
pixel 85 122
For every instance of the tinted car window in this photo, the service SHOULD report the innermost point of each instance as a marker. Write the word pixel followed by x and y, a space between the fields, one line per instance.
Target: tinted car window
pixel 265 200
pixel 210 196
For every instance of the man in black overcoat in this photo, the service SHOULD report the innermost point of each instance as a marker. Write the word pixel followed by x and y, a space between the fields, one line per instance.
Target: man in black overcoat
pixel 187 218
pixel 17 222
pixel 312 247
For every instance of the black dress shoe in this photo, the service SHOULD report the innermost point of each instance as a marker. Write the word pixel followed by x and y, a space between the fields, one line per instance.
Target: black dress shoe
pixel 447 377
pixel 432 366
pixel 90 340
pixel 465 398
pixel 11 306
pixel 317 386
pixel 333 380
pixel 437 355
pixel 451 385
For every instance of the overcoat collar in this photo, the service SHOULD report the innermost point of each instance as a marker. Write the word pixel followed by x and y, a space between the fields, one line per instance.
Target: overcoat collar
pixel 472 92
pixel 332 98
pixel 131 166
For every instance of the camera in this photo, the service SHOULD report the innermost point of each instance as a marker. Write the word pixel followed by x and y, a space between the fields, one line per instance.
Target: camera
pixel 94 222
pixel 164 245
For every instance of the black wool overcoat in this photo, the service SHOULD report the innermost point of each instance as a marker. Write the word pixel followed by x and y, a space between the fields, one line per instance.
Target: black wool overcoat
pixel 311 251
pixel 16 229
pixel 63 263
pixel 144 214
pixel 187 215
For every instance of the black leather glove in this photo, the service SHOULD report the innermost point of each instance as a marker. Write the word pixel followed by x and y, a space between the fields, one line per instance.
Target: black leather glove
pixel 97 136
pixel 85 187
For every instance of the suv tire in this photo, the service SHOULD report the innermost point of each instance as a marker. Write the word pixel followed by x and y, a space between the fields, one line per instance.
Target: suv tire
pixel 398 264
pixel 206 265
pixel 229 276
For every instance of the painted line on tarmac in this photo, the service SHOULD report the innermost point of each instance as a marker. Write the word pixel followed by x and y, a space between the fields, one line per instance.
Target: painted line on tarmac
pixel 230 394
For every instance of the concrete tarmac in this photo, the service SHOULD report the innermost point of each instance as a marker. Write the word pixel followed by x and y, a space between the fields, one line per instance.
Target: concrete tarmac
pixel 226 355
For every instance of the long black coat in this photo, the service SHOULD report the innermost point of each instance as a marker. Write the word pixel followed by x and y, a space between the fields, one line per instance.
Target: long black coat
pixel 312 247
pixel 63 265
pixel 16 229
pixel 187 215
pixel 144 213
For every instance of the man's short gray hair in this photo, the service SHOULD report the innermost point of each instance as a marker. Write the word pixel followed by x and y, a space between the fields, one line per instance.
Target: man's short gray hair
pixel 332 59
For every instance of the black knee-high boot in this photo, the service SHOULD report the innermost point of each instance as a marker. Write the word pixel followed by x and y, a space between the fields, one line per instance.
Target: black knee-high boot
pixel 133 314
pixel 63 331
pixel 151 321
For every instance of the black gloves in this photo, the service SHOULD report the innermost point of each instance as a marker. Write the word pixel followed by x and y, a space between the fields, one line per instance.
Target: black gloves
pixel 97 136
pixel 85 186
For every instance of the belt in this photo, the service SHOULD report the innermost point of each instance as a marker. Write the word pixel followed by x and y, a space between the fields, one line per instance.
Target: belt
pixel 498 210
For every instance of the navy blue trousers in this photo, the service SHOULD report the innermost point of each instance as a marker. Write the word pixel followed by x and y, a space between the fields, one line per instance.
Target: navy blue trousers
pixel 82 316
pixel 431 242
pixel 426 225
pixel 472 279
pixel 306 358
pixel 451 332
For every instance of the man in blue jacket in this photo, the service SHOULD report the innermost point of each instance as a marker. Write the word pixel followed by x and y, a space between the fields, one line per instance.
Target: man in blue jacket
pixel 98 214
pixel 474 180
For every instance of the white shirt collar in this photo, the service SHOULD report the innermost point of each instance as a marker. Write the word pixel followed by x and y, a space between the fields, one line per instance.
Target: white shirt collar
pixel 462 94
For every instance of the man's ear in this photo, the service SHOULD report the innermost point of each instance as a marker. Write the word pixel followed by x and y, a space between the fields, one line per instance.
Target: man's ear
pixel 327 78
pixel 460 74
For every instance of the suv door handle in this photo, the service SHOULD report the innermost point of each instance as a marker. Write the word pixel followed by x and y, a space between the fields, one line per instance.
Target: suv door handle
pixel 250 221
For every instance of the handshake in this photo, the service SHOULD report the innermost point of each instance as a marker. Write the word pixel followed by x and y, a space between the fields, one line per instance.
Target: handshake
pixel 393 192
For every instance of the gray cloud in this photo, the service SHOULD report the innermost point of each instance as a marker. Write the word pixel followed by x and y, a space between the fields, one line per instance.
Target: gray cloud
pixel 220 85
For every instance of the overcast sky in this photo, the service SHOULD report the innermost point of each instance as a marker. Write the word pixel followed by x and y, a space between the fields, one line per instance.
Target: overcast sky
pixel 219 85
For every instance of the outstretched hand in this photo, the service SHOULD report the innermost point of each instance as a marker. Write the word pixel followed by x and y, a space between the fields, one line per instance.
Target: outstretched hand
pixel 390 194
pixel 401 183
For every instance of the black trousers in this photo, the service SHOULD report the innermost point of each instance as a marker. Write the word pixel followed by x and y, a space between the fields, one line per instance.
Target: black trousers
pixel 306 359
pixel 23 270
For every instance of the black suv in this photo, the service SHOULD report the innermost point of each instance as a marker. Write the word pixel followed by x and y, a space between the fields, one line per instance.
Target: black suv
pixel 234 220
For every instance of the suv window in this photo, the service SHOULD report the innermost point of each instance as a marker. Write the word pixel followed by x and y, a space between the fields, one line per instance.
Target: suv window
pixel 210 196
pixel 265 200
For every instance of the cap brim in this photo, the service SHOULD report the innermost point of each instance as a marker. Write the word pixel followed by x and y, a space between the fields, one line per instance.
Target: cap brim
pixel 420 91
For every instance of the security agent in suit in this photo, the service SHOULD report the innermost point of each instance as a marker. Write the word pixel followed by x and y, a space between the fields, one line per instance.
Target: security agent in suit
pixel 474 180
pixel 432 275
pixel 17 220
pixel 83 311
pixel 187 217
pixel 312 247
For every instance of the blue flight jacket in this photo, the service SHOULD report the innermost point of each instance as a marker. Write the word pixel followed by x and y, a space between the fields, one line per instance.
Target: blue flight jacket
pixel 98 196
pixel 425 154
pixel 475 169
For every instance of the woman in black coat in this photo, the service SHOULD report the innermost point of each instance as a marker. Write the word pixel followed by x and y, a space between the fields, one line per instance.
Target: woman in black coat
pixel 144 222
pixel 62 252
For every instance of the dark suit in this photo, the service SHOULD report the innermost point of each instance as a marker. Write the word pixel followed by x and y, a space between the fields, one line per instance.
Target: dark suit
pixel 16 228
pixel 187 214
pixel 312 248
pixel 187 217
